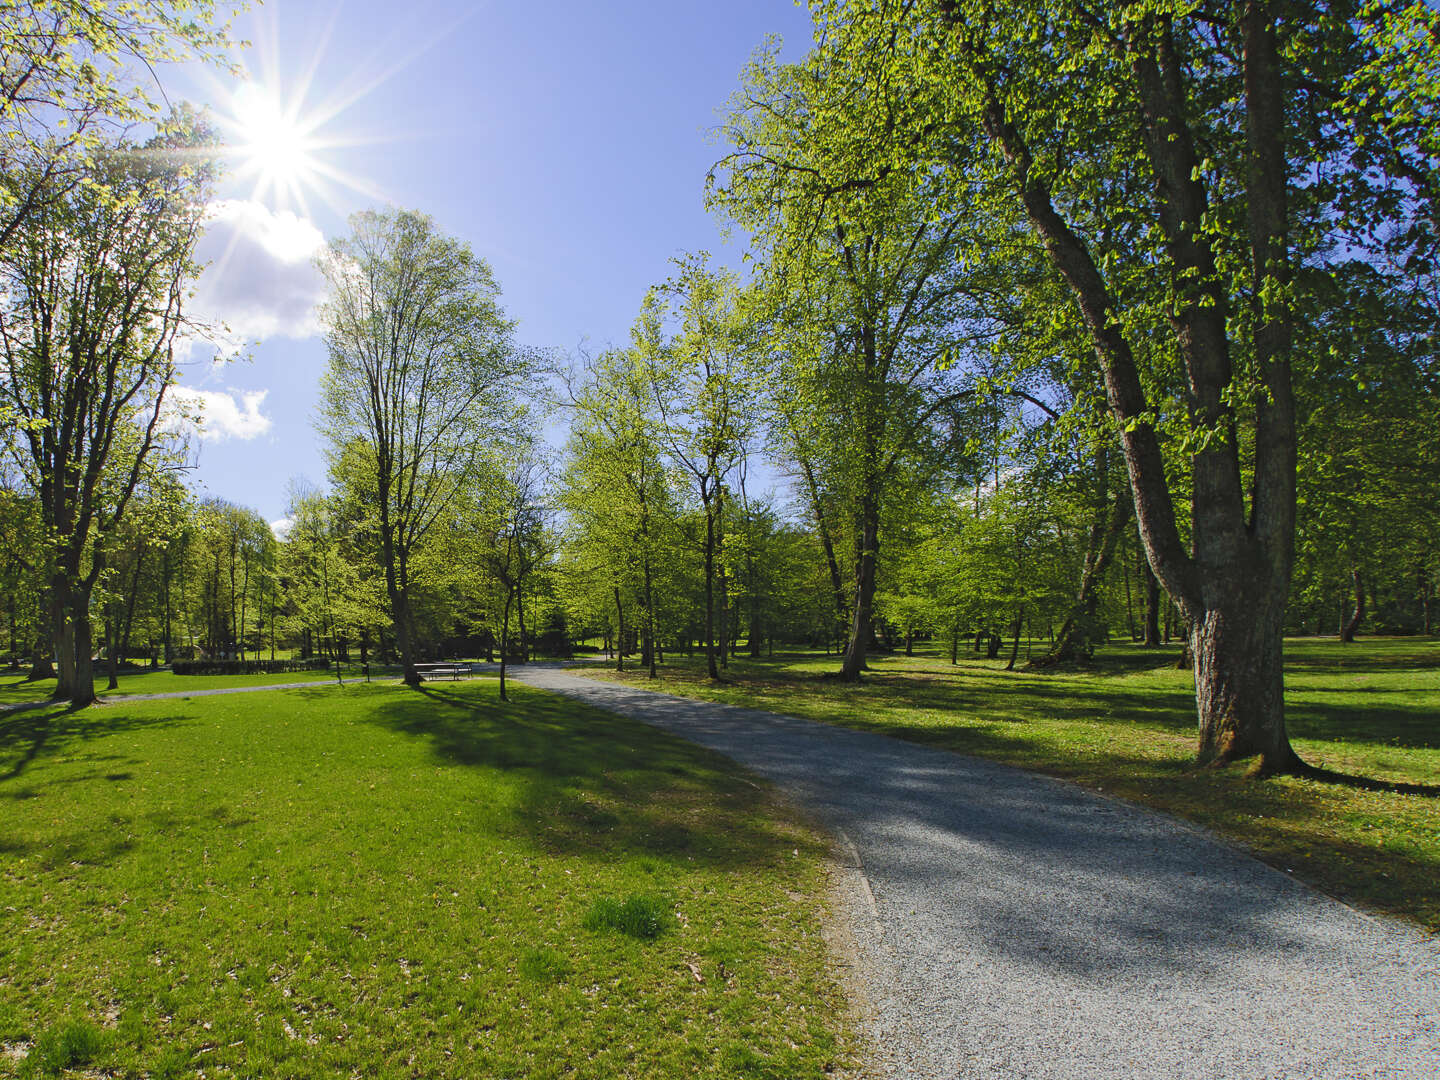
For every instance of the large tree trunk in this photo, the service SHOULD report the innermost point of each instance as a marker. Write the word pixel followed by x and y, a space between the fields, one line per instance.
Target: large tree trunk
pixel 112 654
pixel 61 643
pixel 1239 680
pixel 40 664
pixel 868 551
pixel 1015 645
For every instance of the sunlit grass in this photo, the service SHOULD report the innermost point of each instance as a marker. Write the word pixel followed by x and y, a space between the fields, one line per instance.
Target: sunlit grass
pixel 16 689
pixel 1370 709
pixel 380 882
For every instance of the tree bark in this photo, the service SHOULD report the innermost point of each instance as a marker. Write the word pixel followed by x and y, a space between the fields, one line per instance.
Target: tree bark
pixel 505 641
pixel 41 666
pixel 112 654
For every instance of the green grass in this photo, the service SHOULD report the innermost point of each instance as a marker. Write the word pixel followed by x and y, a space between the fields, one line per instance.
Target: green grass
pixel 1371 709
pixel 381 882
pixel 15 689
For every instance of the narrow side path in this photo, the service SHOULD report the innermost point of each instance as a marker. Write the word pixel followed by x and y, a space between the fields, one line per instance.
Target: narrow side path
pixel 1011 925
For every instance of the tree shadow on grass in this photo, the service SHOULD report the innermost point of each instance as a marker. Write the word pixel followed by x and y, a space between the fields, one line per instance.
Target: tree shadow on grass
pixel 601 786
pixel 28 734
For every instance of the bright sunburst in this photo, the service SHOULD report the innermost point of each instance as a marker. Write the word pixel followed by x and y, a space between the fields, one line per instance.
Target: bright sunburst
pixel 274 144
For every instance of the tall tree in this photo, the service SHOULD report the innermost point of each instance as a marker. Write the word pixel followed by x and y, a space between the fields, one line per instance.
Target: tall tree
pixel 615 490
pixel 94 285
pixel 873 300
pixel 422 377
pixel 699 379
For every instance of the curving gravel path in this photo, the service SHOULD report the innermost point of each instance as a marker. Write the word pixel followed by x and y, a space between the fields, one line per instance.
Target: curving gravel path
pixel 1010 925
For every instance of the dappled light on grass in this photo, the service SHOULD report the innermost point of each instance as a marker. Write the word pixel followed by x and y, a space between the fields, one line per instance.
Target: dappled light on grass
pixel 1127 727
pixel 390 882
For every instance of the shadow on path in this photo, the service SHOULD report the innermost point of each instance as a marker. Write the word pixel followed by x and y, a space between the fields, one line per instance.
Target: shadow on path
pixel 1028 927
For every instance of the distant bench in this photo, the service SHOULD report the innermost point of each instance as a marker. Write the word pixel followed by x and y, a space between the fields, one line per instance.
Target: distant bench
pixel 441 670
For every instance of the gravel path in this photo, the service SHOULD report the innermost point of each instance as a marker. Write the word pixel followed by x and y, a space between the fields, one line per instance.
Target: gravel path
pixel 1010 925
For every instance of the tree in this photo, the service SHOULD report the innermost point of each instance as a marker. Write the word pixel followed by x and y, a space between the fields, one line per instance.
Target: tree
pixel 514 546
pixel 422 377
pixel 873 305
pixel 620 505
pixel 699 380
pixel 94 284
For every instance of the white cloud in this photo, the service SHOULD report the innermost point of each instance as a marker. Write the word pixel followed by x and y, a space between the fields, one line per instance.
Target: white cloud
pixel 217 414
pixel 261 281
pixel 281 528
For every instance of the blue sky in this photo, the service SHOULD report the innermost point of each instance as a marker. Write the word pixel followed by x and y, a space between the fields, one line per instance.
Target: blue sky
pixel 567 143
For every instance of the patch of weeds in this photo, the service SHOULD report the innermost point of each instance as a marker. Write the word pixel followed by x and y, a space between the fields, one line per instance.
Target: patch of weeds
pixel 544 965
pixel 641 917
pixel 71 1044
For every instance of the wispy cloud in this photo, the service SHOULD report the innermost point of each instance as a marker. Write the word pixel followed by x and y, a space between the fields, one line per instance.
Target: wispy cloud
pixel 217 415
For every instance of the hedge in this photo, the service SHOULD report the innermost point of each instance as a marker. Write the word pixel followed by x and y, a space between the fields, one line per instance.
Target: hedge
pixel 247 667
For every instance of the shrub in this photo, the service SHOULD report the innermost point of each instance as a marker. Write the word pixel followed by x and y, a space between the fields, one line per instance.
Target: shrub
pixel 247 667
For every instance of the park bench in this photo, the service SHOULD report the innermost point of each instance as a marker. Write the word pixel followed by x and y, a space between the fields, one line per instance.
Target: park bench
pixel 451 668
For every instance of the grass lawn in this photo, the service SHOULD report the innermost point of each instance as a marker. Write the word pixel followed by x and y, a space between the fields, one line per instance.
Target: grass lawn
pixel 14 689
pixel 1127 728
pixel 380 882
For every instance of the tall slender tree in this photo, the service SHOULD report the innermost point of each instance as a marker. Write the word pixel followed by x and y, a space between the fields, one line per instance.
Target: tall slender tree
pixel 423 376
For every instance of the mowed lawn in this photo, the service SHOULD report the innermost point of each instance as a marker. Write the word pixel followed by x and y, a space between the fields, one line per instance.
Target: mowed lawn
pixel 1370 709
pixel 380 882
pixel 16 689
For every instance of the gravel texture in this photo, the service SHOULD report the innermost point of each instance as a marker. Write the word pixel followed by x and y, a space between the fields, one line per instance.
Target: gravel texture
pixel 1011 925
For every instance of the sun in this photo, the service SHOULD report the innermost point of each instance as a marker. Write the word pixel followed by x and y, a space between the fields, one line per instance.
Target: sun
pixel 273 144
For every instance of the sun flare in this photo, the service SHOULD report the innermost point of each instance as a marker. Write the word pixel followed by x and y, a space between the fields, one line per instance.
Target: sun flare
pixel 272 143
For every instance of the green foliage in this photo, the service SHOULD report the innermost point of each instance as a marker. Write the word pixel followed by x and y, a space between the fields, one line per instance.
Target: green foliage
pixel 416 395
pixel 77 71
pixel 247 667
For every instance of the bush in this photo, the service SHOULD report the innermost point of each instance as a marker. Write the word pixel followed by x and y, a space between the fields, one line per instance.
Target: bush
pixel 641 917
pixel 247 667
